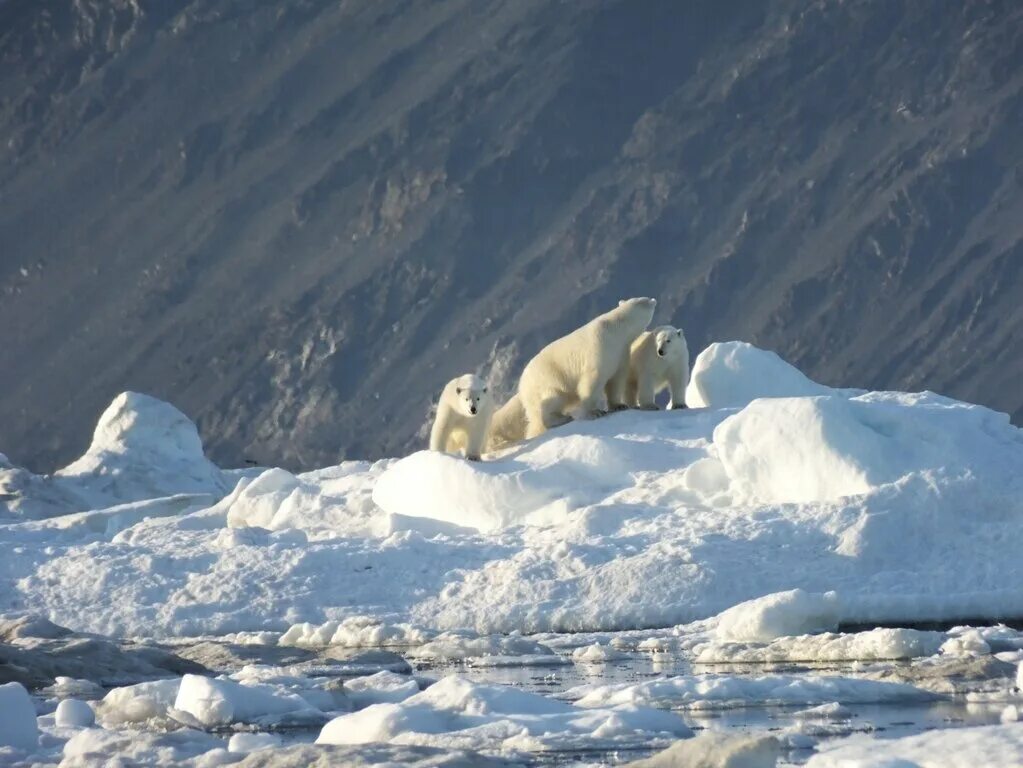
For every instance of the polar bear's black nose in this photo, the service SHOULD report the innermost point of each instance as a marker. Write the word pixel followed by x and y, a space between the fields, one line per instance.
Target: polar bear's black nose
pixel 472 409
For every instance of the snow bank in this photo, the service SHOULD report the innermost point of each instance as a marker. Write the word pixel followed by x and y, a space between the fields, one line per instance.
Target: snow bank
pixel 794 612
pixel 457 713
pixel 732 374
pixel 536 485
pixel 824 448
pixel 142 448
pixel 1000 745
pixel 727 691
pixel 210 702
pixel 18 727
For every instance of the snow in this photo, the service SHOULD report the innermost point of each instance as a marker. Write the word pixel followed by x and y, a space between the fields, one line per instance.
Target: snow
pixel 457 713
pixel 794 612
pixel 703 692
pixel 733 374
pixel 142 448
pixel 353 632
pixel 74 713
pixel 995 745
pixel 872 645
pixel 717 750
pixel 384 687
pixel 596 654
pixel 488 650
pixel 252 742
pixel 138 703
pixel 634 520
pixel 18 727
pixel 95 746
pixel 209 702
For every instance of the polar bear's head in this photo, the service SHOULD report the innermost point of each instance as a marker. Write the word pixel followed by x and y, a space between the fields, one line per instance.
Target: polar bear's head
pixel 669 342
pixel 471 395
pixel 635 313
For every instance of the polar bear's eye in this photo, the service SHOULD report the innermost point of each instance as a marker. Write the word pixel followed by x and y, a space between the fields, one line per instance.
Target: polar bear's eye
pixel 458 390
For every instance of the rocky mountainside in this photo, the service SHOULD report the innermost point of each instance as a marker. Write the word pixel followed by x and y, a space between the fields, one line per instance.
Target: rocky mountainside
pixel 297 220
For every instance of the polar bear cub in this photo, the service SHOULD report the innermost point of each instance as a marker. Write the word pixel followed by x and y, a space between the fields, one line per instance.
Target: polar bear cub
pixel 463 417
pixel 508 424
pixel 573 372
pixel 658 358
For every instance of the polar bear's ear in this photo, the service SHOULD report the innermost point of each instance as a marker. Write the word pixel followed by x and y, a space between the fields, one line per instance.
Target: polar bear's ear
pixel 621 302
pixel 678 332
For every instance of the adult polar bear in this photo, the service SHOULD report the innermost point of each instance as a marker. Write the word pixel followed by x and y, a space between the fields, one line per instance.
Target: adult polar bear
pixel 583 370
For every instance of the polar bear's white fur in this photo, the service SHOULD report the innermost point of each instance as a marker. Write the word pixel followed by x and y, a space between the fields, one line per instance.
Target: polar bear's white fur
pixel 572 373
pixel 659 358
pixel 508 424
pixel 463 417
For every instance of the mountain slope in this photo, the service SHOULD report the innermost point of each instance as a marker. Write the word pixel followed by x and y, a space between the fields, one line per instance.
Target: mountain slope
pixel 296 224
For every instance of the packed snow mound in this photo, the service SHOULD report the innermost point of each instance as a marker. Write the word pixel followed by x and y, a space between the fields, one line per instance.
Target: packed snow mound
pixel 811 449
pixel 794 612
pixel 74 713
pixel 538 484
pixel 18 726
pixel 732 374
pixel 455 712
pixel 142 449
pixel 212 702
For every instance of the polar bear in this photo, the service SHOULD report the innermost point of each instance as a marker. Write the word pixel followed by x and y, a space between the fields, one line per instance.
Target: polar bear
pixel 508 425
pixel 463 417
pixel 573 372
pixel 658 358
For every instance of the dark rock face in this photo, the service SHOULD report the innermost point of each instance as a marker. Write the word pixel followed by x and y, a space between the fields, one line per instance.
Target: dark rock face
pixel 297 222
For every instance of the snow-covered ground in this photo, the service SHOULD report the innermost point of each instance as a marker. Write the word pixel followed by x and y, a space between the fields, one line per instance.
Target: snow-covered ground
pixel 750 529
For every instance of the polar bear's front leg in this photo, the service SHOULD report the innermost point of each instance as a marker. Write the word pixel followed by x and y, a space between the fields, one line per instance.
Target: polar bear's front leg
pixel 440 432
pixel 677 386
pixel 476 438
pixel 645 397
pixel 616 387
pixel 591 395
